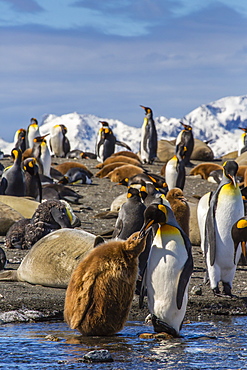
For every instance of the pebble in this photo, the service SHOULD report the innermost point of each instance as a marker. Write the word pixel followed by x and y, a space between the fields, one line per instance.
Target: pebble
pixel 196 290
pixel 101 355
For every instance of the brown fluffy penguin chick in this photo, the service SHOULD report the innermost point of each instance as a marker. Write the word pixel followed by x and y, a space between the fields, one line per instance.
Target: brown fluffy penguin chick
pixel 101 288
pixel 204 169
pixel 119 158
pixel 120 173
pixel 108 168
pixel 180 208
pixel 126 153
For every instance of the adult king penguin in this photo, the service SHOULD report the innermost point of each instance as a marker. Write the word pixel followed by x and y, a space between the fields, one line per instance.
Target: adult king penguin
pixel 32 132
pixel 106 141
pixel 148 150
pixel 59 143
pixel 217 212
pixel 185 143
pixel 168 270
pixel 242 143
pixel 12 181
pixel 175 173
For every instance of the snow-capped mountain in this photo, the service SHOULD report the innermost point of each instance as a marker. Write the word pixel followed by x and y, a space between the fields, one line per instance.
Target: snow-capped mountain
pixel 217 121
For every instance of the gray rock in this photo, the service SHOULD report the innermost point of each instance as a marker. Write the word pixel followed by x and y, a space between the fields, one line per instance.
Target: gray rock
pixel 101 355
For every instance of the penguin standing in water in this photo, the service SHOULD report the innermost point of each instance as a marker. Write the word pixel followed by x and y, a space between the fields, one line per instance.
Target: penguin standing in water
pixel 59 143
pixel 12 181
pixel 148 150
pixel 106 141
pixel 32 132
pixel 242 143
pixel 185 143
pixel 225 207
pixel 168 270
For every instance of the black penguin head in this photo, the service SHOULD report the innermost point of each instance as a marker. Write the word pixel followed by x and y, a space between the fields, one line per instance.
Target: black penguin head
pixel 104 123
pixel 147 109
pixel 16 153
pixel 132 192
pixel 156 213
pixel 230 169
pixel 243 128
pixel 186 127
pixel 30 165
pixel 40 139
pixel 63 129
pixel 33 121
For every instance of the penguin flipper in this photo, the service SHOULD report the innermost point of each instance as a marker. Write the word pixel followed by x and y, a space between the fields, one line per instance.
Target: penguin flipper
pixel 183 280
pixel 143 289
pixel 3 185
pixel 118 228
pixel 121 143
pixel 210 239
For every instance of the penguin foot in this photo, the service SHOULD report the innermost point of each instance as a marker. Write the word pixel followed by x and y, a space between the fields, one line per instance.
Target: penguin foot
pixel 216 291
pixel 227 290
pixel 161 326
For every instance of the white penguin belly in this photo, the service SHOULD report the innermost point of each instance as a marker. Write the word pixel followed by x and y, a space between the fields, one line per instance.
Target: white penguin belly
pixel 171 175
pixel 57 141
pixel 229 209
pixel 166 261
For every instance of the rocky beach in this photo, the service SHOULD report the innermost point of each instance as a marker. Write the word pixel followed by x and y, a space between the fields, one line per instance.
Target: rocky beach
pixel 21 301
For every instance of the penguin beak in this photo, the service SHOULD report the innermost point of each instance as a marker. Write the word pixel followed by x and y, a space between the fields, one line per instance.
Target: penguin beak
pixel 233 178
pixel 146 227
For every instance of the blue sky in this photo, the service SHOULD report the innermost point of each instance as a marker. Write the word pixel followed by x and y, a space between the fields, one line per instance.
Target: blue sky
pixel 108 57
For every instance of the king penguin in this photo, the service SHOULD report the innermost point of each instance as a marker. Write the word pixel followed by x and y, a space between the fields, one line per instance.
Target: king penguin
pixel 168 270
pixel 239 235
pixel 12 181
pixel 148 149
pixel 32 179
pixel 20 139
pixel 217 212
pixel 185 143
pixel 59 143
pixel 106 141
pixel 175 173
pixel 131 215
pixel 32 132
pixel 242 143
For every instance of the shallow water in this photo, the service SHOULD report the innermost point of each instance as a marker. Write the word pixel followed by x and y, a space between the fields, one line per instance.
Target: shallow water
pixel 204 345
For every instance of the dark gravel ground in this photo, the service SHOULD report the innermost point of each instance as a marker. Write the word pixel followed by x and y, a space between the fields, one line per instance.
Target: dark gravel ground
pixel 97 198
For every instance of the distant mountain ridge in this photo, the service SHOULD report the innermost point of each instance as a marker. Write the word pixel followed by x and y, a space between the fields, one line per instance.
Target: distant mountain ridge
pixel 217 121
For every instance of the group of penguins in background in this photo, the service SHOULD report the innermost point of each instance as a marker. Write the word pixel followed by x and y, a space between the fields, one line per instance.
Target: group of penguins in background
pixel 152 222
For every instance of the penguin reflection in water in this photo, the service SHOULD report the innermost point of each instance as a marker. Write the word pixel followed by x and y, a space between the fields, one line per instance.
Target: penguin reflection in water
pixel 101 288
pixel 168 269
pixel 217 213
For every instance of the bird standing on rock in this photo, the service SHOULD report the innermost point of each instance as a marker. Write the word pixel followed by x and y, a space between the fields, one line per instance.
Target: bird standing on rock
pixel 149 143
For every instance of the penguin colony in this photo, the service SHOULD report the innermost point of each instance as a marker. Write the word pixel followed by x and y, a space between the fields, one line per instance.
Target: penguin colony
pixel 150 251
